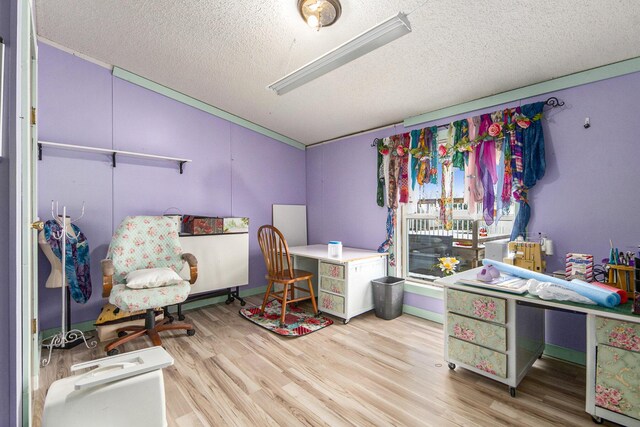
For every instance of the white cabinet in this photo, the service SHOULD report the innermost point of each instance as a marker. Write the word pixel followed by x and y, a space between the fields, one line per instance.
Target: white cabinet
pixel 344 285
pixel 223 260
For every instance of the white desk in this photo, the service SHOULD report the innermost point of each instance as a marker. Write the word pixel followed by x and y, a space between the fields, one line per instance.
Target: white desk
pixel 343 284
pixel 504 344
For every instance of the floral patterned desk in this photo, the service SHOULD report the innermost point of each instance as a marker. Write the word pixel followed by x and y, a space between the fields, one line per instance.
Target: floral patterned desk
pixel 501 335
pixel 344 283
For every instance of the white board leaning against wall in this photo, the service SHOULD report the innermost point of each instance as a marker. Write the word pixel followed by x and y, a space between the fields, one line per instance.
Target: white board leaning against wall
pixel 291 220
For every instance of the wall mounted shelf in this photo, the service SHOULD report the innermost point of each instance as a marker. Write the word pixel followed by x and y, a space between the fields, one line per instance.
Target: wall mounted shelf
pixel 113 153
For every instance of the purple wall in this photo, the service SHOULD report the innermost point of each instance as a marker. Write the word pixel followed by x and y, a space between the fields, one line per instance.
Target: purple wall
pixel 235 171
pixel 585 198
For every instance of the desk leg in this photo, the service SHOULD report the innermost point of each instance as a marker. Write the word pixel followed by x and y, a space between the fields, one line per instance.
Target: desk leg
pixel 234 294
pixel 592 345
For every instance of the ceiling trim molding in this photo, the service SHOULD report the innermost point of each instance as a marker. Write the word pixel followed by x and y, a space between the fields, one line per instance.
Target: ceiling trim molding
pixel 195 103
pixel 74 53
pixel 583 77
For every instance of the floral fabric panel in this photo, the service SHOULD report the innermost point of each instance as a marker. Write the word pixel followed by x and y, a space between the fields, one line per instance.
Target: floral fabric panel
pixel 332 285
pixel 331 303
pixel 481 358
pixel 619 334
pixel 479 306
pixel 145 242
pixel 141 299
pixel 332 270
pixel 618 381
pixel 478 332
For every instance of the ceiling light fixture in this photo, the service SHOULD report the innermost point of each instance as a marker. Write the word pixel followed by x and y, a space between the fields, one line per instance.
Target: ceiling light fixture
pixel 319 13
pixel 381 34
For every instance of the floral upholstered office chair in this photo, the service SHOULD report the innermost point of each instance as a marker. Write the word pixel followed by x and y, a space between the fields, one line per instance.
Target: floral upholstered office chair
pixel 141 273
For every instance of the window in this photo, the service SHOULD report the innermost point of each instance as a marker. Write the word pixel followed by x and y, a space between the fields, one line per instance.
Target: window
pixel 422 238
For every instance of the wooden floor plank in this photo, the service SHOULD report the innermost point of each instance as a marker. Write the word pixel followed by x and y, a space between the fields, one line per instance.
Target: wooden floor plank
pixel 370 372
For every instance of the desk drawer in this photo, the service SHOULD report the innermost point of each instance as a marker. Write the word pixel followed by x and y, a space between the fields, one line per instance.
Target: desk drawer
pixel 331 303
pixel 478 332
pixel 479 357
pixel 625 335
pixel 332 285
pixel 332 270
pixel 618 381
pixel 479 306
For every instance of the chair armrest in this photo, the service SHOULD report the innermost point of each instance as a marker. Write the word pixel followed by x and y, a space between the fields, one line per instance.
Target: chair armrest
pixel 107 276
pixel 193 266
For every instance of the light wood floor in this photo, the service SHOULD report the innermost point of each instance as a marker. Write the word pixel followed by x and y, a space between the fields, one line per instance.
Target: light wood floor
pixel 371 372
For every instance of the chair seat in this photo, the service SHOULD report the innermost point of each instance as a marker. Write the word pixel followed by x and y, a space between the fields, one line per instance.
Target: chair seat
pixel 143 299
pixel 298 275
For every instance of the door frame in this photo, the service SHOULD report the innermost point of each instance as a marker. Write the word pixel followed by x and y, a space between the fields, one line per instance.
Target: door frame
pixel 25 210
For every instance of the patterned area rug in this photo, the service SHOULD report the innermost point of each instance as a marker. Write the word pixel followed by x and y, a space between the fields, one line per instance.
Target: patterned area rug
pixel 298 322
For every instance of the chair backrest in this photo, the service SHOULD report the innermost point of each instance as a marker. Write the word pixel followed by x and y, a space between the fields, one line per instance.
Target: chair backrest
pixel 145 242
pixel 275 251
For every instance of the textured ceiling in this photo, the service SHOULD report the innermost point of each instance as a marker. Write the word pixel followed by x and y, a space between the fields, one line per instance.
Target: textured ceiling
pixel 225 53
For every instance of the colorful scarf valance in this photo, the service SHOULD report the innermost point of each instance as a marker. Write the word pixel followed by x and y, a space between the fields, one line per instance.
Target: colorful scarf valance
pixel 502 155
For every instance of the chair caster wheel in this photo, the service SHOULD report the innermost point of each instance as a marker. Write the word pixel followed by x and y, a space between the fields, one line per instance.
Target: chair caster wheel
pixel 512 391
pixel 113 352
pixel 121 334
pixel 171 319
pixel 229 301
pixel 452 366
pixel 181 317
pixel 191 332
pixel 243 303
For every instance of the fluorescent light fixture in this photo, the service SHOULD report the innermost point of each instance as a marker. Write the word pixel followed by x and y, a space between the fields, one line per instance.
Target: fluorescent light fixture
pixel 383 33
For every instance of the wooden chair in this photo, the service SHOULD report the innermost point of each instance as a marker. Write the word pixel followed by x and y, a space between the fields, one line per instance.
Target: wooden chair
pixel 276 251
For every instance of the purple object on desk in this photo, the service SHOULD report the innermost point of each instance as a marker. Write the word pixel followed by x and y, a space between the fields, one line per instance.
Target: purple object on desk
pixel 488 273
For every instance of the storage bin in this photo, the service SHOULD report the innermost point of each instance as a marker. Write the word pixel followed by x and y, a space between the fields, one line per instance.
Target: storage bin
pixel 192 224
pixel 235 225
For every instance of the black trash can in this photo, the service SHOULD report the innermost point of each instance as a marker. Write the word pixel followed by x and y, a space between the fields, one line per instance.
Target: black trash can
pixel 388 296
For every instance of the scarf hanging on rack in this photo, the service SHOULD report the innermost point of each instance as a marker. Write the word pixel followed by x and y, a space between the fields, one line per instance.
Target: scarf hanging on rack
pixel 446 196
pixel 433 149
pixel 509 141
pixel 419 158
pixel 388 245
pixel 386 159
pixel 533 162
pixel 394 171
pixel 461 144
pixel 500 205
pixel 380 172
pixel 414 160
pixel 478 190
pixel 487 168
pixel 403 174
pixel 496 131
pixel 471 173
pixel 77 260
pixel 516 161
pixel 533 141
